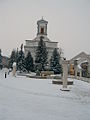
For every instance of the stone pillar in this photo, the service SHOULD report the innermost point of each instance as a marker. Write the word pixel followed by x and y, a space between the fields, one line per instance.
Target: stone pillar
pixel 14 68
pixel 89 70
pixel 80 73
pixel 75 66
pixel 75 72
pixel 65 75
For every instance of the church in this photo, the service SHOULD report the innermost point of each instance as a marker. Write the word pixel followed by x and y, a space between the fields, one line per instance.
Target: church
pixel 31 45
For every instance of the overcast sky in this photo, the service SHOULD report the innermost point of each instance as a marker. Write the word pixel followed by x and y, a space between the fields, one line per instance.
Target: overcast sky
pixel 68 23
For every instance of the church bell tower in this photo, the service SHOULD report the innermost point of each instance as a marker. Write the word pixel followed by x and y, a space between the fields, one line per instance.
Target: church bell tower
pixel 42 27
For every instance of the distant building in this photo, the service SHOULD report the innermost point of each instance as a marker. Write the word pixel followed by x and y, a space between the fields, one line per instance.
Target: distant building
pixel 5 61
pixel 81 57
pixel 31 45
pixel 83 64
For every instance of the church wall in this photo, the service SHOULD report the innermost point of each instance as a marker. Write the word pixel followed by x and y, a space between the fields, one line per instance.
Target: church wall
pixel 32 50
pixel 48 44
pixel 51 44
pixel 31 43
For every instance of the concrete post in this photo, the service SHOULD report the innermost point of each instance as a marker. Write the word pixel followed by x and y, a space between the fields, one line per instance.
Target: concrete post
pixel 89 70
pixel 75 72
pixel 75 65
pixel 65 75
pixel 80 73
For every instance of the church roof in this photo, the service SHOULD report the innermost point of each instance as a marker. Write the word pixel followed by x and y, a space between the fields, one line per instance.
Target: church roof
pixel 42 21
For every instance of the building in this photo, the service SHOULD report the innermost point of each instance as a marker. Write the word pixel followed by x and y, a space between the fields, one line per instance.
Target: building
pixel 81 57
pixel 5 61
pixel 82 61
pixel 31 45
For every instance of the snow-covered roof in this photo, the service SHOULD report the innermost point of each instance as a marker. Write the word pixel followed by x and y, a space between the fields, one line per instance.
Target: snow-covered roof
pixel 79 66
pixel 42 21
pixel 78 58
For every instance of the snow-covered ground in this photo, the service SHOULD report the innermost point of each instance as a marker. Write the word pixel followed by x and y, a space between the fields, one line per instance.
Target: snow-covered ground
pixel 23 98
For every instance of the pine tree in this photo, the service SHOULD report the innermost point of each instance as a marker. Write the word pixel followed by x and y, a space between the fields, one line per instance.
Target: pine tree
pixel 17 55
pixel 41 54
pixel 1 60
pixel 55 62
pixel 21 60
pixel 29 62
pixel 12 58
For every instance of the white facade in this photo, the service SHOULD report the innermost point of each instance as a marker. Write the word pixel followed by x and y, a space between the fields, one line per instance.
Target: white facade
pixel 31 45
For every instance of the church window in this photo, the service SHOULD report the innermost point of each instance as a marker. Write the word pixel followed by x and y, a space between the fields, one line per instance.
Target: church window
pixel 42 30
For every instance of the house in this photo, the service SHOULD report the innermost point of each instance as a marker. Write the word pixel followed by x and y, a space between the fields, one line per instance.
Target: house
pixel 5 61
pixel 82 61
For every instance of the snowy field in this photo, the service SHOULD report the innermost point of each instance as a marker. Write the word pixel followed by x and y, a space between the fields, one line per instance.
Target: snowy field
pixel 23 98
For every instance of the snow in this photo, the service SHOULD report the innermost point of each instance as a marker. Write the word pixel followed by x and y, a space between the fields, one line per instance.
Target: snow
pixel 79 66
pixel 78 58
pixel 14 64
pixel 23 98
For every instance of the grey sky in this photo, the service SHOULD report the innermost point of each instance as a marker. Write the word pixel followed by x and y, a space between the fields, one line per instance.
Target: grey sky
pixel 69 23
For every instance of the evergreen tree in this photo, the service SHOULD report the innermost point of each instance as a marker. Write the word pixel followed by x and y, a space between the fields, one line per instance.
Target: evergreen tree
pixel 21 60
pixel 55 62
pixel 17 55
pixel 12 58
pixel 41 54
pixel 29 62
pixel 1 60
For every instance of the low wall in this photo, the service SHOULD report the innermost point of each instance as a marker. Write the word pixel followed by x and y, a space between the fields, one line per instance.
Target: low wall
pixel 84 79
pixel 44 77
pixel 81 78
pixel 21 74
pixel 60 82
pixel 37 77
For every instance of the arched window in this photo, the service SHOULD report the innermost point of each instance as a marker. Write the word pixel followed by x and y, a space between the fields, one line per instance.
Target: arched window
pixel 42 30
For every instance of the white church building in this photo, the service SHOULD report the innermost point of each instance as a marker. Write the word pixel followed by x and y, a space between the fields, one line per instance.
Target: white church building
pixel 31 45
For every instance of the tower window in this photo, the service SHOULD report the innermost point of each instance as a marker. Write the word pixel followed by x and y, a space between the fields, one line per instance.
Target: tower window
pixel 42 30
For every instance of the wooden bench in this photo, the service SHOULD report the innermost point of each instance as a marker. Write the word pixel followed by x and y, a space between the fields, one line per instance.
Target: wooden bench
pixel 46 73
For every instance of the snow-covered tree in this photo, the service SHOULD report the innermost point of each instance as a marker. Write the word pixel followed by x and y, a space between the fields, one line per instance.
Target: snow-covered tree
pixel 41 54
pixel 21 60
pixel 1 60
pixel 55 62
pixel 12 58
pixel 29 62
pixel 17 55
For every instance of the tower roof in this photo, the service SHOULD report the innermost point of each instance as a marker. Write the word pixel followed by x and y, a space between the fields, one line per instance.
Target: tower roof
pixel 42 21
